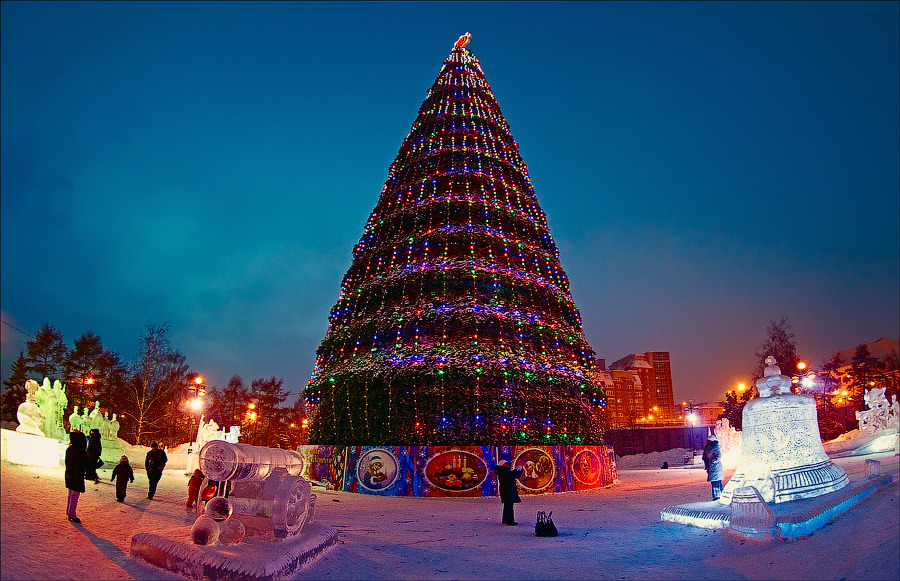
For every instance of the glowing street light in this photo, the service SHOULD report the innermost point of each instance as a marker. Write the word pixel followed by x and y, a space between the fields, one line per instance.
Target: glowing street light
pixel 196 404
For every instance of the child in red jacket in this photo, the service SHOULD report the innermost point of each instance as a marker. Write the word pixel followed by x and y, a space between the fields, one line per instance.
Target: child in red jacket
pixel 194 484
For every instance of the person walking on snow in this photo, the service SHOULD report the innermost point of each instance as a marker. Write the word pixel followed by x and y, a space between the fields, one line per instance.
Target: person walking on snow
pixel 155 462
pixel 712 460
pixel 506 486
pixel 122 473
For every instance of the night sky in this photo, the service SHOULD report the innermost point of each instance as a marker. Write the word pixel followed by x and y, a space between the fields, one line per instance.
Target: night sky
pixel 705 168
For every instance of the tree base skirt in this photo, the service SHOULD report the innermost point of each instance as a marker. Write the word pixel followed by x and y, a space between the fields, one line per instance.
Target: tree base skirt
pixel 457 471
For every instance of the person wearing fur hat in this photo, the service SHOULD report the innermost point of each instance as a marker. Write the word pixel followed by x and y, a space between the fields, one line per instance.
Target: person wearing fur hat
pixel 506 486
pixel 712 460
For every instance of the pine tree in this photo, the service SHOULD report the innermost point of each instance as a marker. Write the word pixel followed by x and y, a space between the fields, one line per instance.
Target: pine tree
pixel 47 353
pixel 15 393
pixel 779 343
pixel 455 323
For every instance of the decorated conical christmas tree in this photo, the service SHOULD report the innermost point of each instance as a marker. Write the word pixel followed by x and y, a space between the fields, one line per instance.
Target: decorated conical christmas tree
pixel 455 323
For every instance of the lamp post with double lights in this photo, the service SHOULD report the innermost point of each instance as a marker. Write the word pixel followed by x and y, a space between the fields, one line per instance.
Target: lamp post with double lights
pixel 195 404
pixel 691 418
pixel 806 377
pixel 251 419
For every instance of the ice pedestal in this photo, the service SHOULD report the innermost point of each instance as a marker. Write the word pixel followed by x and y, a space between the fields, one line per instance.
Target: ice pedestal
pixel 782 455
pixel 252 559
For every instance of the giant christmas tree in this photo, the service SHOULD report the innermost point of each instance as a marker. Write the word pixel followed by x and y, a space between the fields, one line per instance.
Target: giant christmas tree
pixel 455 323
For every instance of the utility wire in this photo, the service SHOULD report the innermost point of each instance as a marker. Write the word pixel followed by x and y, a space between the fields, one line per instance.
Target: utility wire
pixel 17 329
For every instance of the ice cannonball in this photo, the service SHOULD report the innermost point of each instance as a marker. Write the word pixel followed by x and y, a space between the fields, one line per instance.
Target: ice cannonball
pixel 231 532
pixel 205 531
pixel 219 508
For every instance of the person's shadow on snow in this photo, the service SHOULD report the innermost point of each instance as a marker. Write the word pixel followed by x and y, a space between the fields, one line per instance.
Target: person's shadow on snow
pixel 112 552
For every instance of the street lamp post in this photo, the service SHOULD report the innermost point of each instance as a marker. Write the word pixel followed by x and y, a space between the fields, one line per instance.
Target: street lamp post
pixel 692 419
pixel 196 405
pixel 251 418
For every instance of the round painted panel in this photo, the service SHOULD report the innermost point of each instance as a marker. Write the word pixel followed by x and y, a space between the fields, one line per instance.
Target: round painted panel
pixel 586 467
pixel 376 469
pixel 537 469
pixel 455 471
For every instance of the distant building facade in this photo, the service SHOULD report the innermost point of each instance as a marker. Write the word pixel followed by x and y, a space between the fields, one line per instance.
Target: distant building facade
pixel 639 390
pixel 699 414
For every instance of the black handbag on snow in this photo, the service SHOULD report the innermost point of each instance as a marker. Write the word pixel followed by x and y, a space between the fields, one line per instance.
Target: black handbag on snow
pixel 544 526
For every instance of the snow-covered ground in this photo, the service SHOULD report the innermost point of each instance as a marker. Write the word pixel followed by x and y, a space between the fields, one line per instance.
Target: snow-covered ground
pixel 610 533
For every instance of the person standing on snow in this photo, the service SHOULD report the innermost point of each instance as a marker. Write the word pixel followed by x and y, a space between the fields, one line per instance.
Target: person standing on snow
pixel 194 483
pixel 94 449
pixel 712 460
pixel 76 462
pixel 506 486
pixel 155 462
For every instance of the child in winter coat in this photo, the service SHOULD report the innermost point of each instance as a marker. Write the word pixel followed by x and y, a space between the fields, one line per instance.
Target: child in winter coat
pixel 194 484
pixel 122 473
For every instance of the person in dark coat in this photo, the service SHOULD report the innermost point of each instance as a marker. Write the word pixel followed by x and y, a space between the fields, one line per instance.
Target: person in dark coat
pixel 194 484
pixel 155 462
pixel 122 473
pixel 94 449
pixel 509 495
pixel 76 462
pixel 712 460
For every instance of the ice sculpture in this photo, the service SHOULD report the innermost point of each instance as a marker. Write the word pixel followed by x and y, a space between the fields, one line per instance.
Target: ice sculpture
pixel 267 493
pixel 876 419
pixel 29 414
pixel 782 454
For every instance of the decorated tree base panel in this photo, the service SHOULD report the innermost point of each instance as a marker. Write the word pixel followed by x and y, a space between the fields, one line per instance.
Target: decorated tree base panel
pixel 457 471
pixel 788 520
pixel 173 550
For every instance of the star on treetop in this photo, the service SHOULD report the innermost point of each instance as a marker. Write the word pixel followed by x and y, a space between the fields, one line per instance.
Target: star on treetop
pixel 463 40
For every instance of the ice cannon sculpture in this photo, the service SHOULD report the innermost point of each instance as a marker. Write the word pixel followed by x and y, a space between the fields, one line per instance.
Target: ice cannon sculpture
pixel 265 487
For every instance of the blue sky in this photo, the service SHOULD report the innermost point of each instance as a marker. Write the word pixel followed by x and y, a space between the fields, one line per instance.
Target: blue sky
pixel 705 168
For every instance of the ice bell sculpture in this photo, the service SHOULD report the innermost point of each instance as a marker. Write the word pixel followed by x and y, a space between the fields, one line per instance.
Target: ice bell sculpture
pixel 782 455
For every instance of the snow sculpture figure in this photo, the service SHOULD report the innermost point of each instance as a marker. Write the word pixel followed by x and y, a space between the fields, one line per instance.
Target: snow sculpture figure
pixel 114 428
pixel 29 413
pixel 75 421
pixel 94 416
pixel 104 426
pixel 47 399
pixel 875 420
pixel 729 442
pixel 234 433
pixel 206 432
pixel 894 415
pixel 782 455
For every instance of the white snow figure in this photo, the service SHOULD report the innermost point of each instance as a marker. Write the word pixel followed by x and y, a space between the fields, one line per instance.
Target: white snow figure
pixel 206 432
pixel 874 420
pixel 234 433
pixel 113 428
pixel 29 413
pixel 47 398
pixel 894 417
pixel 75 420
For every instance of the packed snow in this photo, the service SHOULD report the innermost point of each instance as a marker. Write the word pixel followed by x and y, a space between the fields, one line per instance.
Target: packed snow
pixel 610 533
